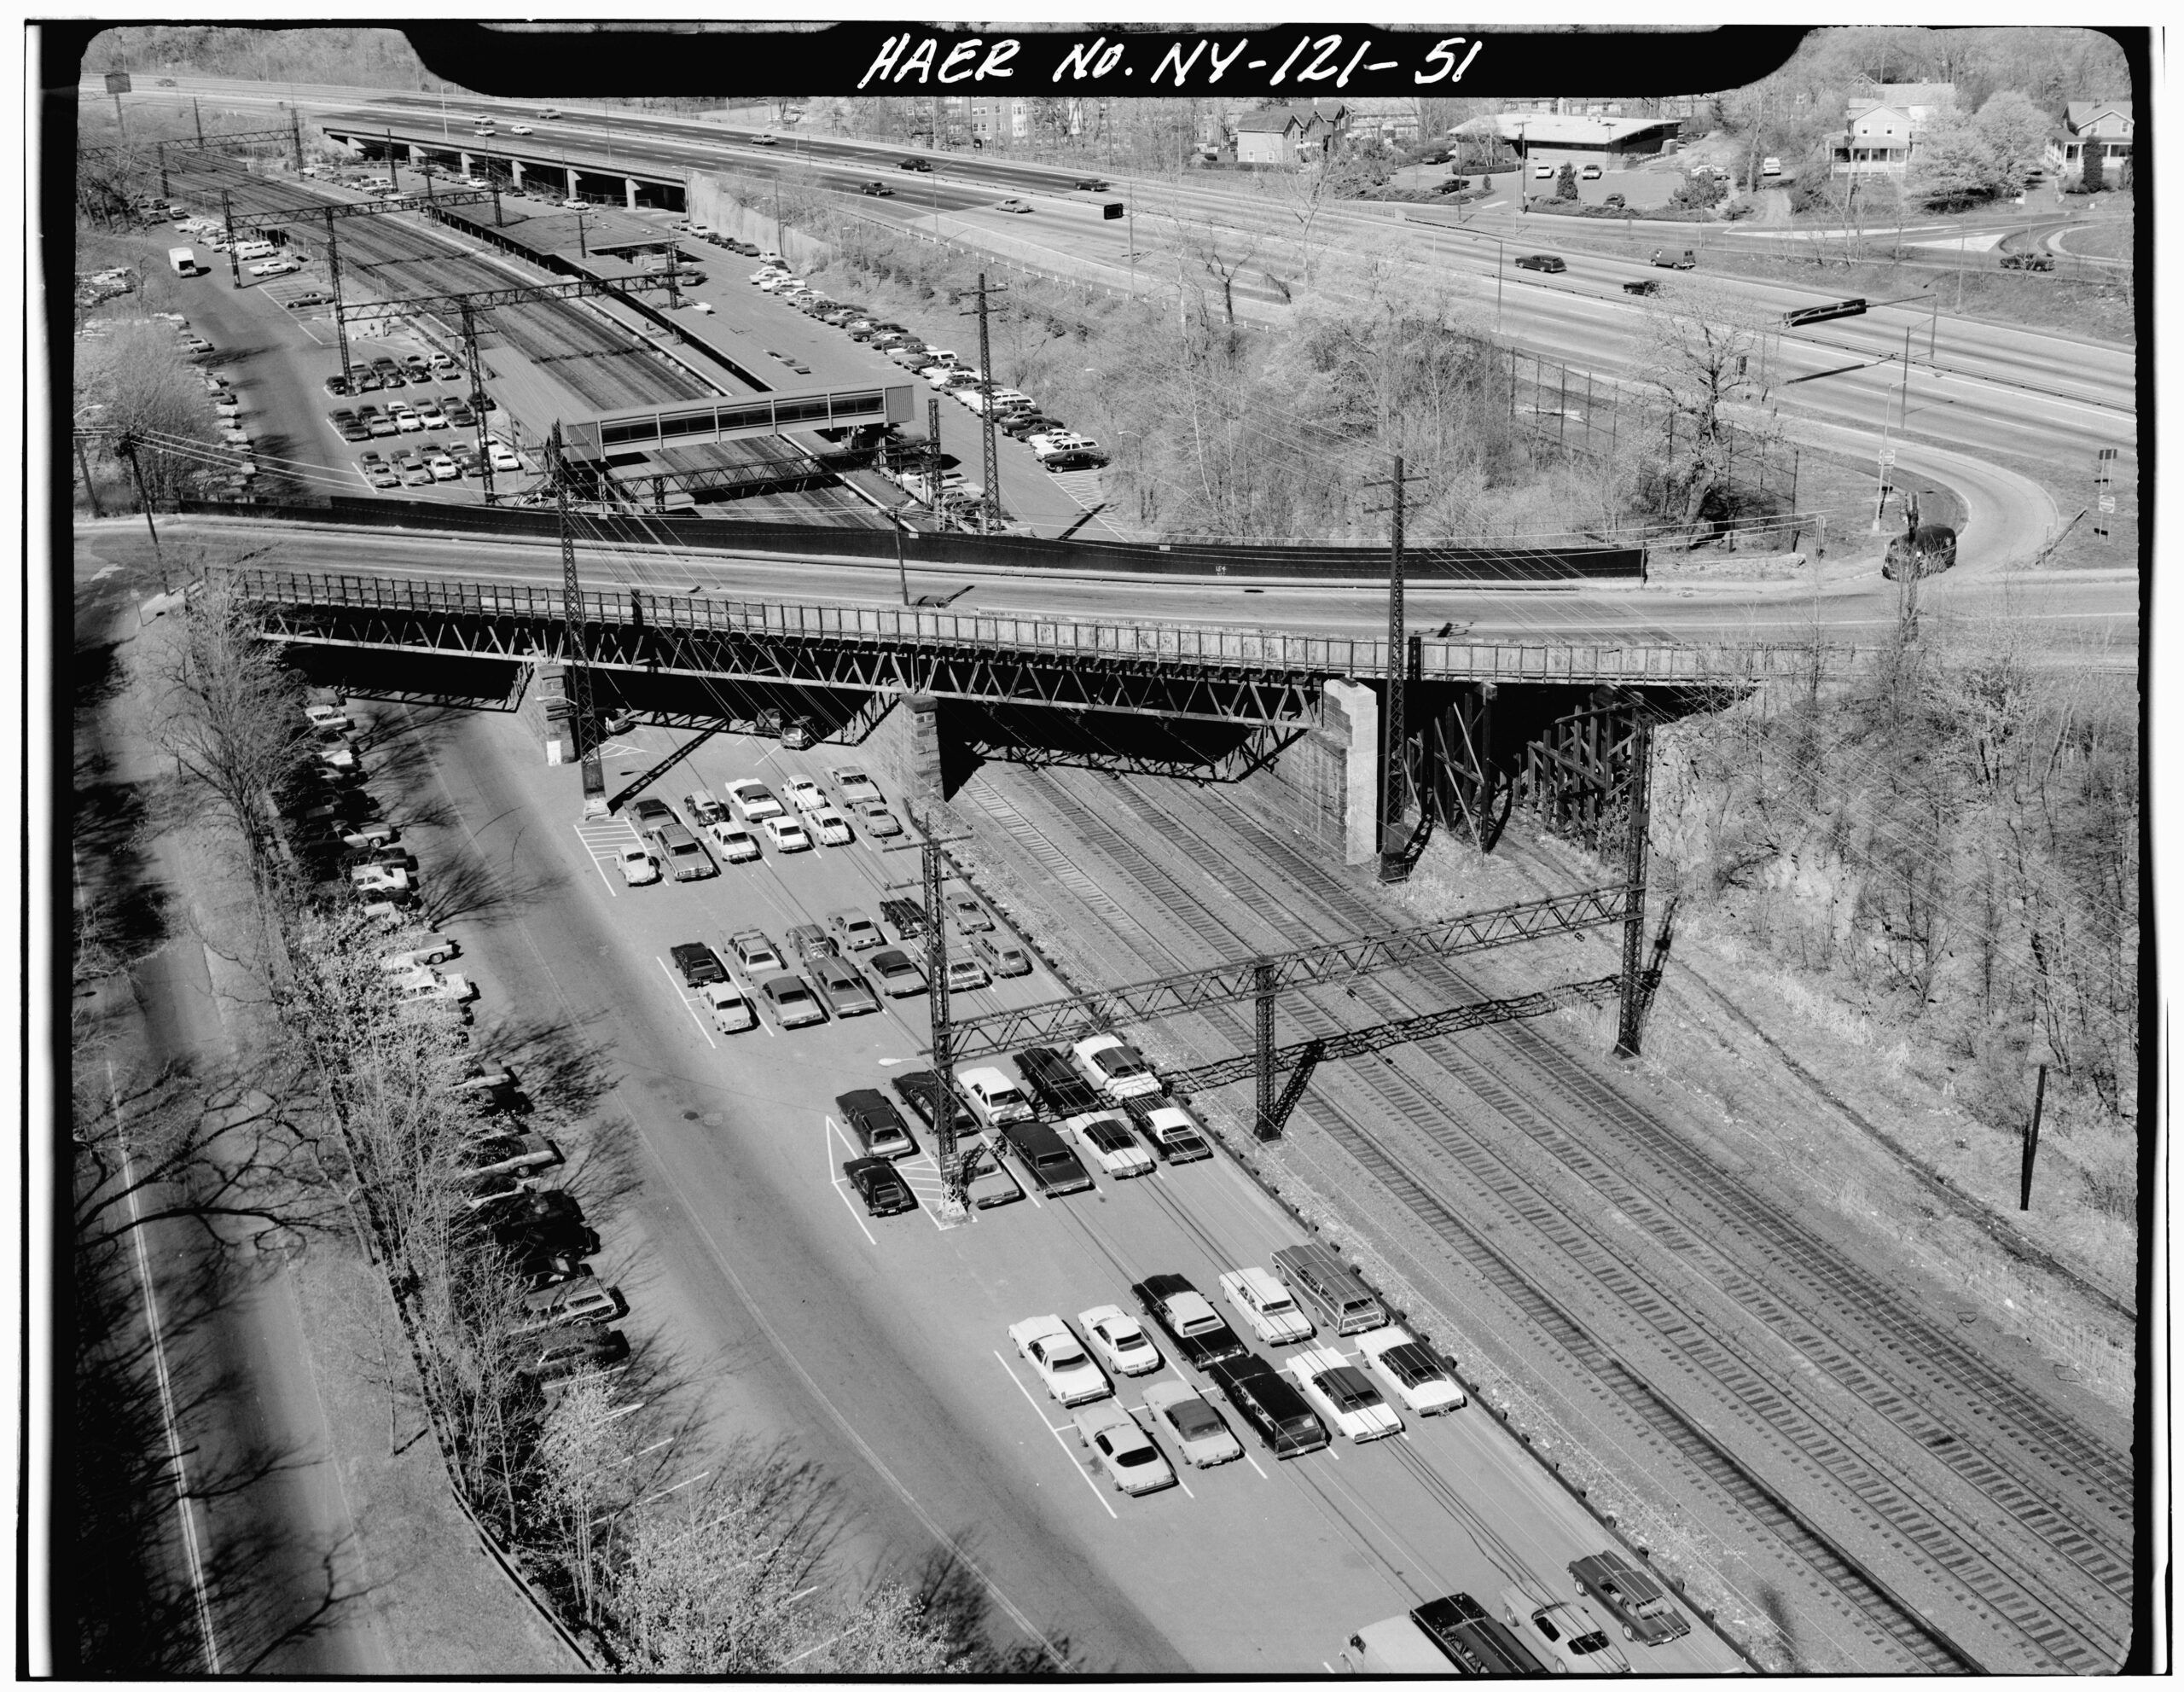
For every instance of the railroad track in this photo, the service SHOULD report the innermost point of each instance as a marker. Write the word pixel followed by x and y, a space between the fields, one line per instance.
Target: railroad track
pixel 2051 1476
pixel 2021 1458
pixel 1996 1586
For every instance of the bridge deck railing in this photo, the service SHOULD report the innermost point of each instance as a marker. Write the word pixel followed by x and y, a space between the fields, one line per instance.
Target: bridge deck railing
pixel 1112 641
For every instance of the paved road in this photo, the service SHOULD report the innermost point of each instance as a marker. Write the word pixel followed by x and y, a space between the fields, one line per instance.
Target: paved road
pixel 272 1543
pixel 1845 597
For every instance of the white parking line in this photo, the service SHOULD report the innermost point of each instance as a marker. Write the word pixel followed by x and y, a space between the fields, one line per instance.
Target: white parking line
pixel 1254 1462
pixel 1071 1456
pixel 687 1005
pixel 826 1144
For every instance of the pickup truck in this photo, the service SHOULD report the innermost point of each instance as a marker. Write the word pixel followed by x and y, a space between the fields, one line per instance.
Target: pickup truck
pixel 1056 1084
pixel 1200 1337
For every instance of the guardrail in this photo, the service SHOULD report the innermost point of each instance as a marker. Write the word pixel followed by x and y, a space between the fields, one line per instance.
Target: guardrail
pixel 1187 645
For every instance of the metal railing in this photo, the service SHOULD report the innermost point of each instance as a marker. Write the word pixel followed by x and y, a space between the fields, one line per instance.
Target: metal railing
pixel 1188 644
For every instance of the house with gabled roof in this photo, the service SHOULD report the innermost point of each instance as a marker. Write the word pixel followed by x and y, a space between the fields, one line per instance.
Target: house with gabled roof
pixel 1288 135
pixel 2103 125
pixel 1882 126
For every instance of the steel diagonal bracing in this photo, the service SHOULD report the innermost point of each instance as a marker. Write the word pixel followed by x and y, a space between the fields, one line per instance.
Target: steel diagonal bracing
pixel 1063 1019
pixel 1358 1042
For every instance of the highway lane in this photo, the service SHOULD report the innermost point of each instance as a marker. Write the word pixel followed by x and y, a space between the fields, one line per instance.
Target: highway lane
pixel 2095 614
pixel 883 1343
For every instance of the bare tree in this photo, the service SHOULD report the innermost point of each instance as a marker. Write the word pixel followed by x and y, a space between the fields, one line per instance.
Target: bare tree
pixel 1700 358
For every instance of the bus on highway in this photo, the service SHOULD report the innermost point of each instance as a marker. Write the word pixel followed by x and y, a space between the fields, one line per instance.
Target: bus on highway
pixel 1453 1635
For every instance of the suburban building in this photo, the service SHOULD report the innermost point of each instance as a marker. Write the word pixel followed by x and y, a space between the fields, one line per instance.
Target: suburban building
pixel 2102 125
pixel 1881 126
pixel 1288 135
pixel 1556 139
pixel 1392 120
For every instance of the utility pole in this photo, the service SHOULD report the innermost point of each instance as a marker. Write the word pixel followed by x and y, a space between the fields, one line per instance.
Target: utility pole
pixel 165 192
pixel 126 445
pixel 333 281
pixel 990 519
pixel 197 113
pixel 228 216
pixel 894 514
pixel 1628 1024
pixel 296 132
pixel 579 660
pixel 1395 773
pixel 933 454
pixel 936 986
pixel 477 396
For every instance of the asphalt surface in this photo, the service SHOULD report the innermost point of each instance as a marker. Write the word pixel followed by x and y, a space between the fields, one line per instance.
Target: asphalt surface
pixel 884 1343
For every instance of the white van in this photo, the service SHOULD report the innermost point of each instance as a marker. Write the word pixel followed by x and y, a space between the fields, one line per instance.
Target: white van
pixel 256 249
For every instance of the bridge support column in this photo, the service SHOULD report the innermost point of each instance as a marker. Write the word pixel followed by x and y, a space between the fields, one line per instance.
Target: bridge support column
pixel 462 161
pixel 922 774
pixel 630 192
pixel 1354 707
pixel 573 190
pixel 515 173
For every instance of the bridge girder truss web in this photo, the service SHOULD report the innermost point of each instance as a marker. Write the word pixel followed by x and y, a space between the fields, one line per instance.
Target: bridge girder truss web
pixel 1076 667
pixel 1256 980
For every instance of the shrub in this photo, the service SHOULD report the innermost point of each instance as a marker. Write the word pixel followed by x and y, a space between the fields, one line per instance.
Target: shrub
pixel 1565 182
pixel 2093 179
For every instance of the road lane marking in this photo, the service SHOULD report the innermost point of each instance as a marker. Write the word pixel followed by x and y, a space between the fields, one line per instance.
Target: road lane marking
pixel 684 997
pixel 176 1455
pixel 1068 1454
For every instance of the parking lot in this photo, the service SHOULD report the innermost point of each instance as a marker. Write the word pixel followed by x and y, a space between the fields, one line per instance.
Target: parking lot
pixel 756 1273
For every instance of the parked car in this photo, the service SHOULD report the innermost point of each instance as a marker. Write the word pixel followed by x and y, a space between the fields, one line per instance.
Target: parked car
pixel 1172 1133
pixel 699 963
pixel 1122 1449
pixel 1419 1377
pixel 966 975
pixel 1195 1329
pixel 1194 1425
pixel 1064 1367
pixel 1108 1139
pixel 1114 1066
pixel 792 1002
pixel 875 1180
pixel 508 1154
pixel 1267 1306
pixel 650 813
pixel 805 794
pixel 737 845
pixel 753 801
pixel 831 828
pixel 757 954
pixel 1565 1635
pixel 1121 1339
pixel 787 834
pixel 876 1125
pixel 846 992
pixel 810 942
pixel 879 821
pixel 1344 1395
pixel 732 1012
pixel 853 930
pixel 898 976
pixel 921 1092
pixel 1267 1400
pixel 1630 1595
pixel 1001 955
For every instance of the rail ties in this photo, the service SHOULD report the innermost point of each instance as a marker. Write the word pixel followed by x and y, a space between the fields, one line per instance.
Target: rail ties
pixel 2008 1598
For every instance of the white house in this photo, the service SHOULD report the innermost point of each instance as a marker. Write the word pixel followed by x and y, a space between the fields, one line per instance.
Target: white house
pixel 2103 125
pixel 1881 129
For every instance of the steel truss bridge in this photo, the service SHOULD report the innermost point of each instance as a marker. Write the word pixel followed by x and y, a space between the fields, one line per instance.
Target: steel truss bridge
pixel 1189 671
